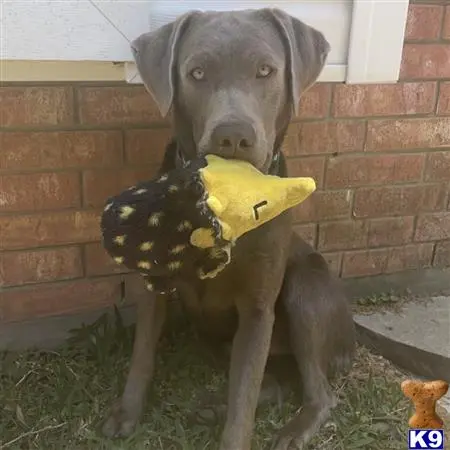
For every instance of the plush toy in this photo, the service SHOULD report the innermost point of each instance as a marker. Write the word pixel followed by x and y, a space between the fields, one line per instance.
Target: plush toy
pixel 185 222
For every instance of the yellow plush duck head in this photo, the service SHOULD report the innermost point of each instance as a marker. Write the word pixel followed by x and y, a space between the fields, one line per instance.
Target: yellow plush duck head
pixel 185 222
pixel 242 198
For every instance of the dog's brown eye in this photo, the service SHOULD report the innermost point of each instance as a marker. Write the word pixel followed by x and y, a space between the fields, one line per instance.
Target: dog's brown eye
pixel 197 74
pixel 264 71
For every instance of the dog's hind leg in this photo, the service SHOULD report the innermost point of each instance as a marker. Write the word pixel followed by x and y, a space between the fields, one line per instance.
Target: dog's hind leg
pixel 322 341
pixel 128 409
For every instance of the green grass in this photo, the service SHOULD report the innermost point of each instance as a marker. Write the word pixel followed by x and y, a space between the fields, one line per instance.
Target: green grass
pixel 56 400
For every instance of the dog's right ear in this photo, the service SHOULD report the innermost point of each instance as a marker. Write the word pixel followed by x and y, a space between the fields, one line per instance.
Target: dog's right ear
pixel 155 55
pixel 307 50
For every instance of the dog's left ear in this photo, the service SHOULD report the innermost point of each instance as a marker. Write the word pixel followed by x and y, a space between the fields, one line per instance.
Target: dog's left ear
pixel 307 50
pixel 155 54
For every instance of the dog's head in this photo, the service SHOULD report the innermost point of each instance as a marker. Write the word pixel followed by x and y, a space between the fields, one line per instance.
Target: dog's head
pixel 232 79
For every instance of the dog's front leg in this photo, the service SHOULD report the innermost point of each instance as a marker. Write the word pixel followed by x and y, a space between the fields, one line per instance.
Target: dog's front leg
pixel 249 354
pixel 126 412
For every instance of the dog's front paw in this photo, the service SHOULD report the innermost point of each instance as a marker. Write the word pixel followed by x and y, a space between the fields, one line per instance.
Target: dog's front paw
pixel 286 442
pixel 121 422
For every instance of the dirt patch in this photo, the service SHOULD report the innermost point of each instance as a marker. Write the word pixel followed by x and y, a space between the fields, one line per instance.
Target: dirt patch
pixel 386 301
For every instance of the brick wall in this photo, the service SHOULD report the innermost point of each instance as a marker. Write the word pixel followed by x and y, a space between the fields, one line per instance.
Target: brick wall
pixel 380 155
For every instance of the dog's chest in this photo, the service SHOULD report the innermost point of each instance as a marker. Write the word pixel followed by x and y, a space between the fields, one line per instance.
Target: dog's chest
pixel 212 303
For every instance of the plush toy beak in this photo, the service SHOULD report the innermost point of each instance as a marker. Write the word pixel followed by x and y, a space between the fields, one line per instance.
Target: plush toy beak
pixel 297 189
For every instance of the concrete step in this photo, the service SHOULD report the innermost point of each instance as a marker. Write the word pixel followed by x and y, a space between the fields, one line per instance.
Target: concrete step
pixel 417 338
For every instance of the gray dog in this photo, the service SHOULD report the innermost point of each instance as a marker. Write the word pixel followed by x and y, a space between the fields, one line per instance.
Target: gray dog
pixel 233 80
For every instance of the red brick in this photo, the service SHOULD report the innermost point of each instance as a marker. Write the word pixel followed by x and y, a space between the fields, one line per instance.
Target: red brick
pixel 442 254
pixel 315 102
pixel 38 230
pixel 116 105
pixel 324 205
pixel 433 227
pixel 334 262
pixel 39 191
pixel 17 268
pixel 343 235
pixel 424 22
pixel 425 61
pixel 364 263
pixel 384 99
pixel 408 134
pixel 146 146
pixel 390 231
pixel 345 171
pixel 444 99
pixel 409 257
pixel 308 167
pixel 98 262
pixel 98 185
pixel 327 137
pixel 438 166
pixel 36 106
pixel 353 234
pixel 60 149
pixel 52 299
pixel 398 200
pixel 307 232
pixel 386 260
pixel 446 29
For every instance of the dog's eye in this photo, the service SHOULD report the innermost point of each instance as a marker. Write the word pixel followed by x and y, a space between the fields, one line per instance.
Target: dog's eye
pixel 197 74
pixel 264 71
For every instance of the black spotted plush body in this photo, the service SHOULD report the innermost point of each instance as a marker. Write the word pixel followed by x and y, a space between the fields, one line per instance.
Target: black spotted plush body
pixel 148 228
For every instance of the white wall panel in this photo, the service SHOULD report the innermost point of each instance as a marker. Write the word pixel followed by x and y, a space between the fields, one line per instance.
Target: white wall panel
pixel 100 30
pixel 366 36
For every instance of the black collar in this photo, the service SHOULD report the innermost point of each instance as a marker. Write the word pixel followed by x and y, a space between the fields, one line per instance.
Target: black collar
pixel 274 168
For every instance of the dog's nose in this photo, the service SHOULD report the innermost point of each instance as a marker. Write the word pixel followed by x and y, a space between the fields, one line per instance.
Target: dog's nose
pixel 233 137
